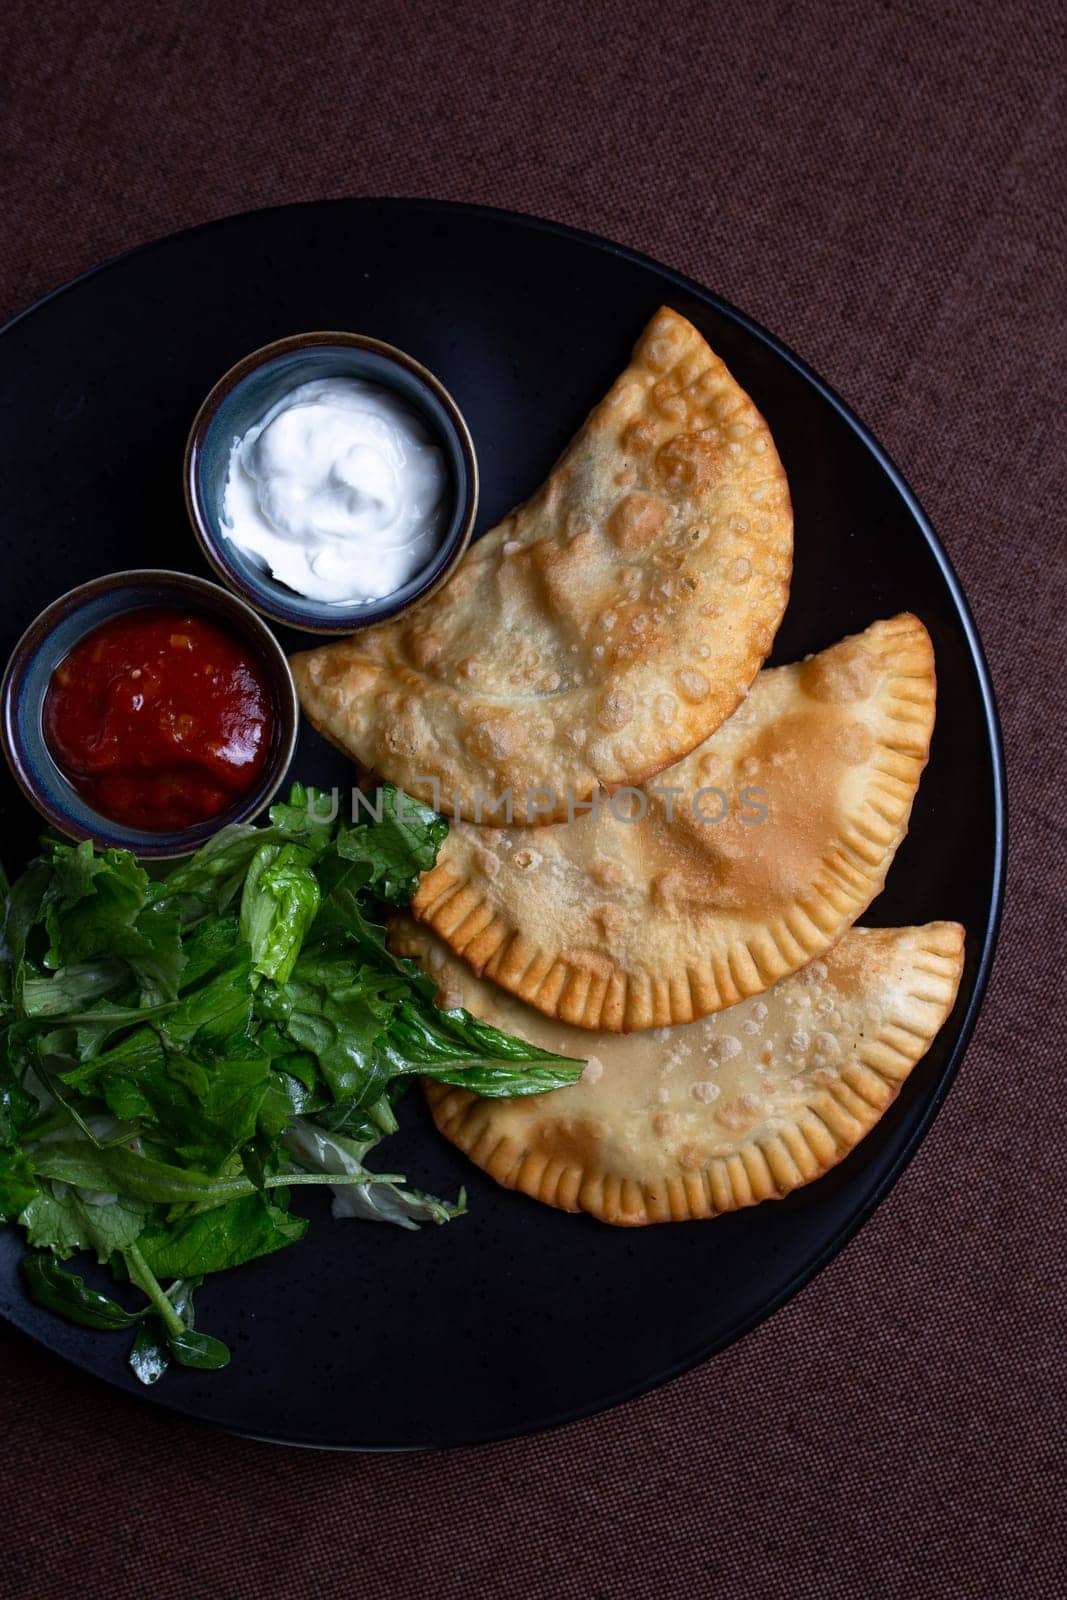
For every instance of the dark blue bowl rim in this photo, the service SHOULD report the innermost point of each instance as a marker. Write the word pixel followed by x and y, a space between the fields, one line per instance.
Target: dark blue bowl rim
pixel 269 597
pixel 174 844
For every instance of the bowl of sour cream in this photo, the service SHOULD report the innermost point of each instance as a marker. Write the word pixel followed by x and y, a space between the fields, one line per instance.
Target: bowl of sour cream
pixel 331 481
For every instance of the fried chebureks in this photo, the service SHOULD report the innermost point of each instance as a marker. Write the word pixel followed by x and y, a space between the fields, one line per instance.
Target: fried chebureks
pixel 691 1121
pixel 601 630
pixel 623 923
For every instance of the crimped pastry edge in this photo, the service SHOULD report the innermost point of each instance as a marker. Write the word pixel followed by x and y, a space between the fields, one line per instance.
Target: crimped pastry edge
pixel 832 1124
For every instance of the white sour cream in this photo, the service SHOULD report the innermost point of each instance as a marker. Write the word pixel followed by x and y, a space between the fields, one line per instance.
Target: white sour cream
pixel 338 491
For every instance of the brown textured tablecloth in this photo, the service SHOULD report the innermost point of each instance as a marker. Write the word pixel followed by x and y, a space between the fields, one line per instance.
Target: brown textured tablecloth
pixel 880 182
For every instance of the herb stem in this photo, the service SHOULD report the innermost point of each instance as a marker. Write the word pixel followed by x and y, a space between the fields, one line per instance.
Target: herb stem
pixel 283 1179
pixel 146 1280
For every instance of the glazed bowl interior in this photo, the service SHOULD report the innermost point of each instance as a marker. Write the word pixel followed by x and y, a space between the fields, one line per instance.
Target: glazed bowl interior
pixel 245 394
pixel 50 639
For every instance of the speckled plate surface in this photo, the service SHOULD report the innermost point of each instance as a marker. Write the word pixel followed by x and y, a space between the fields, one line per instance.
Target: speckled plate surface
pixel 516 1317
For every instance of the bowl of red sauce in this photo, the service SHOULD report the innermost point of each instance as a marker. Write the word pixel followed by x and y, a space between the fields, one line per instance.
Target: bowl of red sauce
pixel 147 710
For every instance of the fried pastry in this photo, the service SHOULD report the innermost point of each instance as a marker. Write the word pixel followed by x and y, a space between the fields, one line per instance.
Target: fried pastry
pixel 601 630
pixel 691 1121
pixel 741 864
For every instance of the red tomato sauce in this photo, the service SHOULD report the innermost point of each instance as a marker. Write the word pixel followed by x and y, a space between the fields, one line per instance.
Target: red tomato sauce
pixel 159 719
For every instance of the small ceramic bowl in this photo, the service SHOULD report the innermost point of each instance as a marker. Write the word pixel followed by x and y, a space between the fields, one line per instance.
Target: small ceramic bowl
pixel 51 637
pixel 247 392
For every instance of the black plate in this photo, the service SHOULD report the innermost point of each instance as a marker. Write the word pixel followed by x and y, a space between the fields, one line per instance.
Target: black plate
pixel 516 1317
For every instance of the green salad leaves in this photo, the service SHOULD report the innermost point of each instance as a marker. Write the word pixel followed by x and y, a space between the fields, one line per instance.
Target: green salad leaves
pixel 181 1051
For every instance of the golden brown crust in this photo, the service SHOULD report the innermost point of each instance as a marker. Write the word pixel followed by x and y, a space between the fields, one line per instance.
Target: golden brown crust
pixel 601 630
pixel 688 1122
pixel 621 925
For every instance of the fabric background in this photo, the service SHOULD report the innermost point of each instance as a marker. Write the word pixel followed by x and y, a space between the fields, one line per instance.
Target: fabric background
pixel 881 183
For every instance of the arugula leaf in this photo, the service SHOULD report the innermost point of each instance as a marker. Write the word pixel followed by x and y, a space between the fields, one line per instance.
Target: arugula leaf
pixel 214 876
pixel 288 1095
pixel 64 1220
pixel 198 1350
pixel 16 1112
pixel 280 901
pixel 67 1293
pixel 101 1021
pixel 149 1354
pixel 226 1236
pixel 339 1010
pixel 382 1200
pixel 202 1103
pixel 18 1184
pixel 455 1047
pixel 309 816
pixel 117 1168
pixel 154 950
pixel 26 903
pixel 121 1170
pixel 208 948
pixel 99 906
pixel 402 842
pixel 72 989
pixel 18 1102
pixel 195 1079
